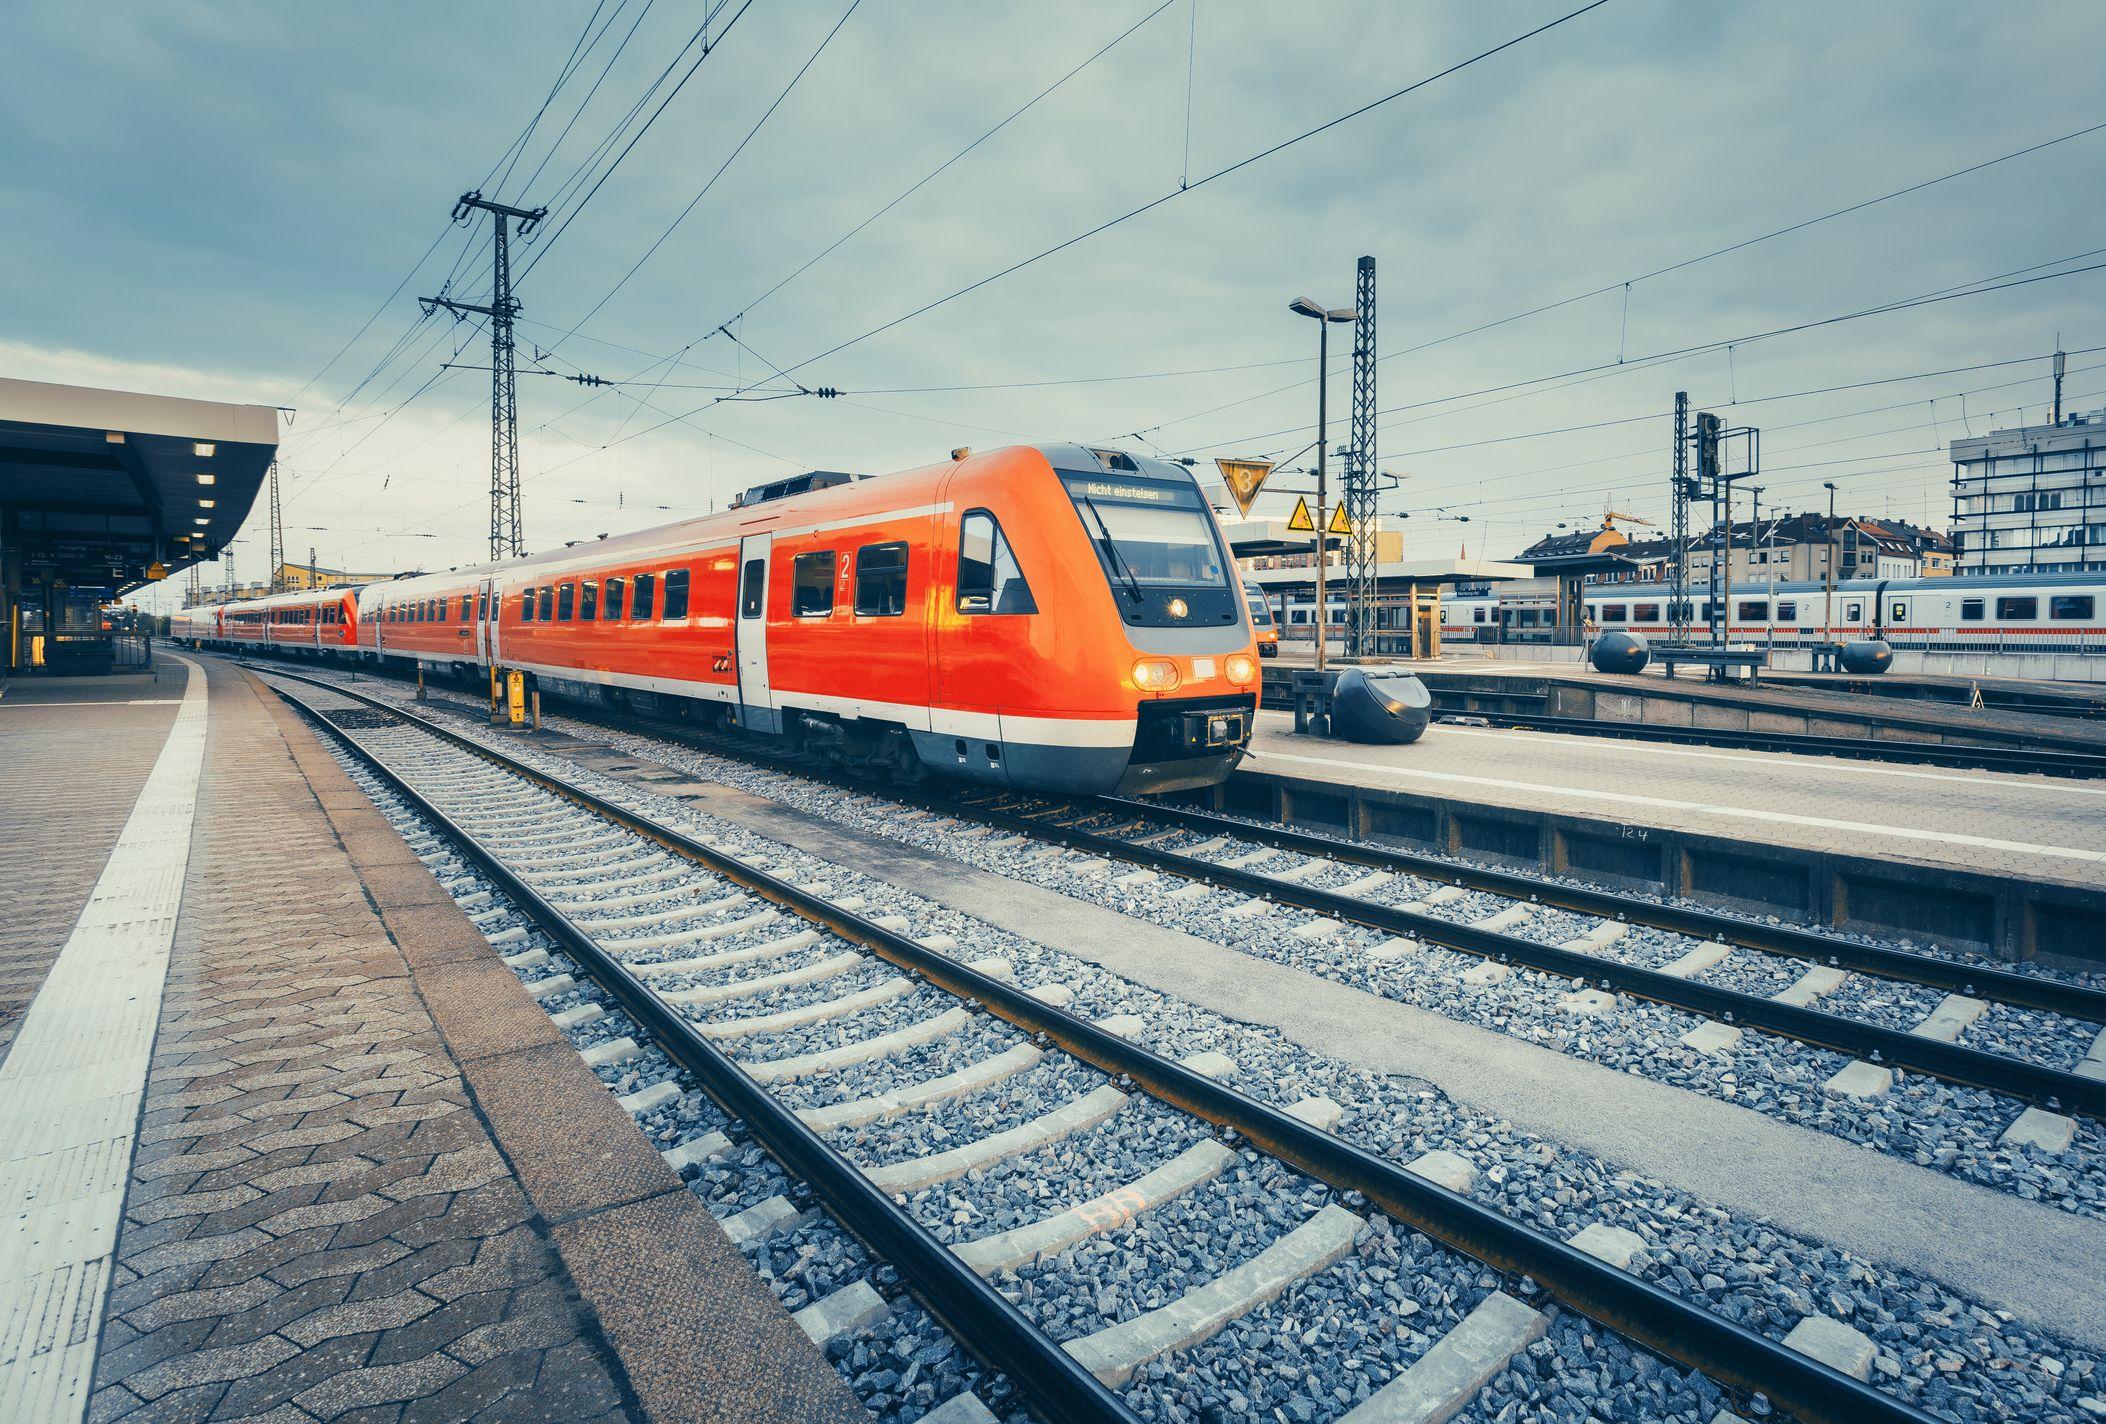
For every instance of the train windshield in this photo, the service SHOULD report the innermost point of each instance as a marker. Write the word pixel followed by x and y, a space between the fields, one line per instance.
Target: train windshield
pixel 1158 547
pixel 1148 531
pixel 1260 609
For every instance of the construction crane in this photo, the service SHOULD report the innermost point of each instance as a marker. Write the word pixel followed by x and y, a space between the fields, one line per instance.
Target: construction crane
pixel 1610 516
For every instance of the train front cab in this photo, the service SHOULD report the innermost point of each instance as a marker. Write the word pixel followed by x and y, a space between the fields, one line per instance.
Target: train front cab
pixel 1120 661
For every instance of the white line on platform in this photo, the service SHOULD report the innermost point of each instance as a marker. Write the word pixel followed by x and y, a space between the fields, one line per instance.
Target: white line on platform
pixel 20 706
pixel 1628 798
pixel 71 1087
pixel 1817 765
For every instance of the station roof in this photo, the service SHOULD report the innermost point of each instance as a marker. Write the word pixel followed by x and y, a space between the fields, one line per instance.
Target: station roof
pixel 97 486
pixel 1430 569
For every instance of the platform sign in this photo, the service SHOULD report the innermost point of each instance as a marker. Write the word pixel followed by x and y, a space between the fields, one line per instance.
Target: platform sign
pixel 1299 521
pixel 1339 523
pixel 157 570
pixel 1244 479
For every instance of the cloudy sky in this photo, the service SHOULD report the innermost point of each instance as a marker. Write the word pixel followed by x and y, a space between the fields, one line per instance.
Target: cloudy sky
pixel 243 202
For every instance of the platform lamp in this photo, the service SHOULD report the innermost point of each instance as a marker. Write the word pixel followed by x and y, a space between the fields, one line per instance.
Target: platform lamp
pixel 1302 306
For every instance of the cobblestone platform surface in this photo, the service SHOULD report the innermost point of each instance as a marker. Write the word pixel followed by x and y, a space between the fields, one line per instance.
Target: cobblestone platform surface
pixel 372 1182
pixel 67 781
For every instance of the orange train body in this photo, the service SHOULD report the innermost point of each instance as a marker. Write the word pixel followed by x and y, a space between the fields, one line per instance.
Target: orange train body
pixel 1051 616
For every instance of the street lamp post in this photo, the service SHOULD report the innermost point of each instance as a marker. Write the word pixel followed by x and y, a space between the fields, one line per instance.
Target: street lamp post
pixel 1302 306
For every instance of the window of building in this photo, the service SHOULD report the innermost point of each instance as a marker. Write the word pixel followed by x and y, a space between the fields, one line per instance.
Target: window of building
pixel 1615 612
pixel 611 609
pixel 526 606
pixel 588 600
pixel 2070 606
pixel 675 594
pixel 1971 610
pixel 548 602
pixel 2017 608
pixel 881 580
pixel 646 591
pixel 989 580
pixel 812 584
pixel 566 602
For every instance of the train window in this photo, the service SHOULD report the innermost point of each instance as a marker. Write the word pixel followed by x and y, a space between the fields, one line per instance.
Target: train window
pixel 1853 612
pixel 1899 612
pixel 566 601
pixel 611 609
pixel 2009 608
pixel 1478 613
pixel 675 594
pixel 1646 612
pixel 881 580
pixel 989 580
pixel 548 602
pixel 1755 612
pixel 1787 613
pixel 526 606
pixel 588 600
pixel 467 607
pixel 811 584
pixel 1971 610
pixel 646 590
pixel 482 604
pixel 1613 612
pixel 2070 605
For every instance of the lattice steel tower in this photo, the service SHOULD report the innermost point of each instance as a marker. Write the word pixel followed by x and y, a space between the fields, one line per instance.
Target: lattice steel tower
pixel 507 538
pixel 1360 473
pixel 277 536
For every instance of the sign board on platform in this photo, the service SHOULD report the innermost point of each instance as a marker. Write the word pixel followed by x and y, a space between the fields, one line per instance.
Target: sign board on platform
pixel 1299 521
pixel 1244 479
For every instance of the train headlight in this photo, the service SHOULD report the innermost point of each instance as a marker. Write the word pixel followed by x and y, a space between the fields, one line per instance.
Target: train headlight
pixel 1242 668
pixel 1179 608
pixel 1155 675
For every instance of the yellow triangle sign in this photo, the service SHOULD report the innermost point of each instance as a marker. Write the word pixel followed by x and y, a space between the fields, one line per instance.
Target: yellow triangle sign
pixel 1300 520
pixel 1339 525
pixel 1244 479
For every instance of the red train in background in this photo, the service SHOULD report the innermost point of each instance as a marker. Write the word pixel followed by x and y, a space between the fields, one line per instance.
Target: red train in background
pixel 1051 617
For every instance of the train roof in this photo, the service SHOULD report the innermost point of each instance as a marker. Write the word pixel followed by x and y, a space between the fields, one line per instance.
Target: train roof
pixel 792 512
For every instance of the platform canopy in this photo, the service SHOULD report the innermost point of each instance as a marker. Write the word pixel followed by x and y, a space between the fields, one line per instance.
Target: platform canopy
pixel 109 489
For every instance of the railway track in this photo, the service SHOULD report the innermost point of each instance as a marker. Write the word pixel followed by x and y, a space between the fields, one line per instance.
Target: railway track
pixel 1886 1011
pixel 746 978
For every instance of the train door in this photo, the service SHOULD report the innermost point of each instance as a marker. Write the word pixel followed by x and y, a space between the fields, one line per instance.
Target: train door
pixel 757 711
pixel 486 606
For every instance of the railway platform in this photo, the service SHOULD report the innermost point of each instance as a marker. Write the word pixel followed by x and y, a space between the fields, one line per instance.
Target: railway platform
pixel 283 1138
pixel 1986 861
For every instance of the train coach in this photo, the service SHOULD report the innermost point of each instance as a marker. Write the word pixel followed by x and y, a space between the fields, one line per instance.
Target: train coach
pixel 313 620
pixel 2013 613
pixel 1050 617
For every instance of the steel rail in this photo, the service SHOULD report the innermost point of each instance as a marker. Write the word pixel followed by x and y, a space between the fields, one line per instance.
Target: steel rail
pixel 1057 1387
pixel 1655 1318
pixel 1969 1067
pixel 2001 986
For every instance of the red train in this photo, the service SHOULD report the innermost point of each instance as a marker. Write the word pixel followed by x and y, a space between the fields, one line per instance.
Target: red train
pixel 1050 617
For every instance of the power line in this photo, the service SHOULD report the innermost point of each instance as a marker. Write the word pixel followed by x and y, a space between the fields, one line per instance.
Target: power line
pixel 1608 287
pixel 703 192
pixel 1217 174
